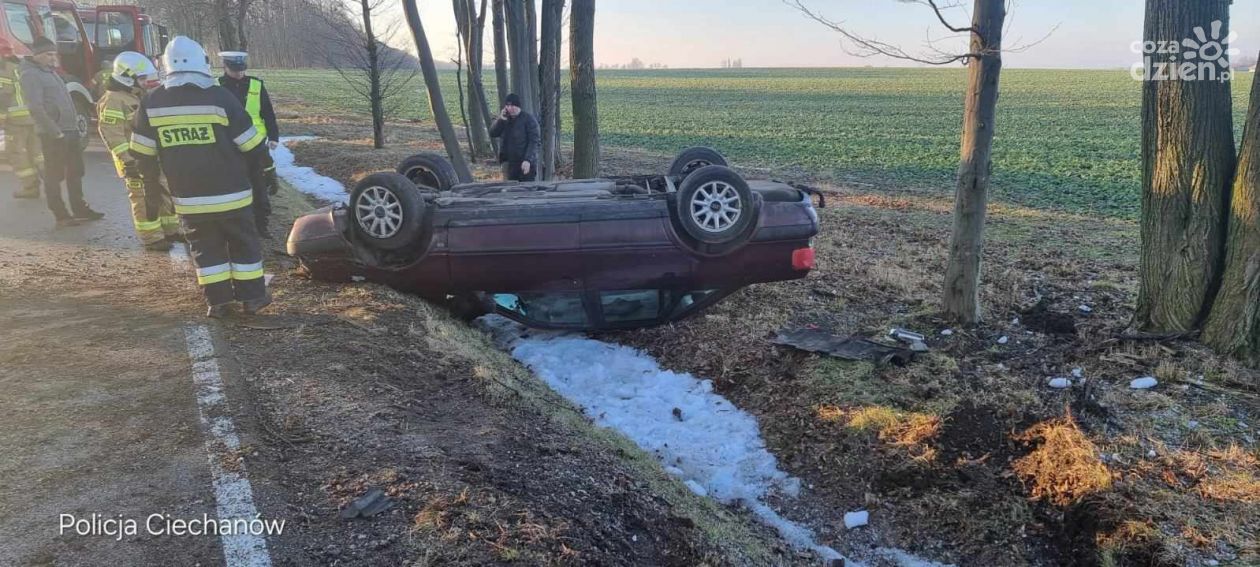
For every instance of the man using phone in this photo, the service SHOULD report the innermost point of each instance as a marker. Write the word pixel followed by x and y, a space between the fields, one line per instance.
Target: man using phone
pixel 519 139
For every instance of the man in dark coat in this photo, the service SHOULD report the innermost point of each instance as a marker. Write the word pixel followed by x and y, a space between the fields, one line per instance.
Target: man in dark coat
pixel 519 139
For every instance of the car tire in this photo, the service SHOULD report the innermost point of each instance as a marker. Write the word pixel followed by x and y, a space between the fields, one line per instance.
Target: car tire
pixel 715 205
pixel 387 211
pixel 429 170
pixel 695 158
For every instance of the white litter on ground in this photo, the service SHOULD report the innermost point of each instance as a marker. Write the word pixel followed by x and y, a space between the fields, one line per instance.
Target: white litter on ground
pixel 305 179
pixel 1060 383
pixel 856 519
pixel 1143 383
pixel 715 448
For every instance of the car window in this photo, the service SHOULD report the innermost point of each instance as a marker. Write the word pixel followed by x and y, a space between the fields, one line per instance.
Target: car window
pixel 115 30
pixel 688 301
pixel 636 305
pixel 559 308
pixel 19 19
pixel 64 26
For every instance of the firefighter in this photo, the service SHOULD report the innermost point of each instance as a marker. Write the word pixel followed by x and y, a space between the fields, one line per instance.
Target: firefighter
pixel 151 211
pixel 21 142
pixel 253 94
pixel 200 136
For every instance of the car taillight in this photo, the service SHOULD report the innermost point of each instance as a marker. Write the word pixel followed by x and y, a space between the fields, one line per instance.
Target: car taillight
pixel 803 259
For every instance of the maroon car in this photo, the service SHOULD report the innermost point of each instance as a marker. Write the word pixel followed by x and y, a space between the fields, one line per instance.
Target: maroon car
pixel 608 253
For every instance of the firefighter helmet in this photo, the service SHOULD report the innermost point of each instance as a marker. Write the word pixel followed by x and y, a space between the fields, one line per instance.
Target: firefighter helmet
pixel 184 55
pixel 130 66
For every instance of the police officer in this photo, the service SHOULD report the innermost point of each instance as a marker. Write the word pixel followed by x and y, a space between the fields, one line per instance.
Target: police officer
pixel 253 94
pixel 21 142
pixel 205 143
pixel 151 211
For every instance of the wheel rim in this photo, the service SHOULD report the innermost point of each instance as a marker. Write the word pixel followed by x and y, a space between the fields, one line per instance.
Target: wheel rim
pixel 423 176
pixel 379 212
pixel 715 206
pixel 694 165
pixel 81 122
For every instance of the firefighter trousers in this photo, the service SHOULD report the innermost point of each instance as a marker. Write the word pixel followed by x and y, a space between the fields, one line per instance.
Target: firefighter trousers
pixel 151 212
pixel 22 145
pixel 228 255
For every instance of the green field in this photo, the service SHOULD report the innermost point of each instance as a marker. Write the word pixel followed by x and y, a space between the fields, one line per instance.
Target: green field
pixel 1065 139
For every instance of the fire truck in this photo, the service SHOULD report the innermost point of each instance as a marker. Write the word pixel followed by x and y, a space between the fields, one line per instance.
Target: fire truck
pixel 84 50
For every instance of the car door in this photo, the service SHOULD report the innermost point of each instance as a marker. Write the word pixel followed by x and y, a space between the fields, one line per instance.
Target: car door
pixel 628 243
pixel 531 247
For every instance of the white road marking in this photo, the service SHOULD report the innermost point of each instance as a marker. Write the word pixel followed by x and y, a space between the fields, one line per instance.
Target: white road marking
pixel 233 495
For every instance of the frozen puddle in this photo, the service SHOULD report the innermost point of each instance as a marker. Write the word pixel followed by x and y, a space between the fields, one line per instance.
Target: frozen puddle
pixel 305 179
pixel 712 446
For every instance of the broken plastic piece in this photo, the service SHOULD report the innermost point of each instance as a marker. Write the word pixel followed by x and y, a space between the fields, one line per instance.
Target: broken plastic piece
pixel 848 348
pixel 856 519
pixel 368 505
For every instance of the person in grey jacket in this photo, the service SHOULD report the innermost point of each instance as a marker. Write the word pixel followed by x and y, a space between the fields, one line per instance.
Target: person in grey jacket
pixel 56 122
pixel 519 139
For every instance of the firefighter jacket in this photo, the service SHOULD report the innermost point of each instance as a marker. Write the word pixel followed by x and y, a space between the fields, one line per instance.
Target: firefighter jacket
pixel 13 110
pixel 116 111
pixel 198 136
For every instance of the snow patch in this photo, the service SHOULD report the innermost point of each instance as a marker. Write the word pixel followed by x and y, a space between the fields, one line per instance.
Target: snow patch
pixel 305 179
pixel 715 449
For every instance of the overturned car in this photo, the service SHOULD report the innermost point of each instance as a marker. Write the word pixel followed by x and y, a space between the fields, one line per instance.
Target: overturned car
pixel 610 253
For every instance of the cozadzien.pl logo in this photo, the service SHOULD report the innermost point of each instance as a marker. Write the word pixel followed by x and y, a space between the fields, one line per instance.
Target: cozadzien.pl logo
pixel 1204 56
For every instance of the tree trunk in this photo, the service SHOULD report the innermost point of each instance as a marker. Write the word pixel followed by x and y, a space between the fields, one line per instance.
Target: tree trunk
pixel 1187 166
pixel 531 25
pixel 582 89
pixel 962 274
pixel 438 107
pixel 500 54
pixel 518 49
pixel 1234 324
pixel 474 114
pixel 374 78
pixel 549 68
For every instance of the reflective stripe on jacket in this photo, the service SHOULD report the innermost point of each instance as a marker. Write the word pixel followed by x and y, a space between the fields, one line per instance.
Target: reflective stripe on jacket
pixel 12 105
pixel 116 110
pixel 199 136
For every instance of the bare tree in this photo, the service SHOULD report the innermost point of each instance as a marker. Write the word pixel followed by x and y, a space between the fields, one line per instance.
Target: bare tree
pixel 501 81
pixel 961 298
pixel 438 107
pixel 1187 165
pixel 531 30
pixel 523 70
pixel 360 54
pixel 1234 324
pixel 549 68
pixel 582 89
pixel 470 25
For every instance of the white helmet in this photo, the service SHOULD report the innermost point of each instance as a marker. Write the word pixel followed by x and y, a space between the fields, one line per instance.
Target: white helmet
pixel 184 55
pixel 130 66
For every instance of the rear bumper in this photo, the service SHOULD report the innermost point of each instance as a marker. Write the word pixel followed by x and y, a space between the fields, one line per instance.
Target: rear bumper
pixel 319 235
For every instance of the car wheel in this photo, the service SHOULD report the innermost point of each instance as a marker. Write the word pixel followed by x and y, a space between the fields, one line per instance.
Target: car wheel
pixel 715 205
pixel 429 170
pixel 695 158
pixel 388 211
pixel 83 122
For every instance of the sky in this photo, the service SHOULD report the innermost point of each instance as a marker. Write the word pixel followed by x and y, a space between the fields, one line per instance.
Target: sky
pixel 768 33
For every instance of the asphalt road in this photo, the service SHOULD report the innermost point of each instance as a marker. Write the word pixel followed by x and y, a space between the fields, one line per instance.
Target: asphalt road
pixel 99 415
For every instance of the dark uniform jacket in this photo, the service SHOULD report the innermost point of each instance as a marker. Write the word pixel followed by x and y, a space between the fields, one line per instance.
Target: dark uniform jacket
pixel 240 88
pixel 199 135
pixel 519 138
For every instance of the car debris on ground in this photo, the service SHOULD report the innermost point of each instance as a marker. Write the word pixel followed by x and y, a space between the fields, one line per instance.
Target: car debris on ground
pixel 370 504
pixel 822 341
pixel 1143 383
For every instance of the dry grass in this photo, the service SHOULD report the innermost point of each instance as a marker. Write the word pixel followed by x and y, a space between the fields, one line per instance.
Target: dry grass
pixel 1065 467
pixel 912 431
